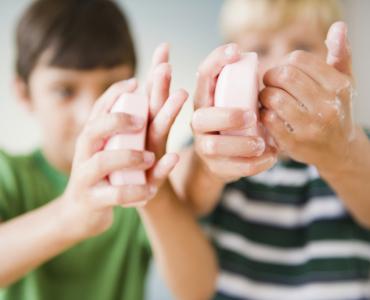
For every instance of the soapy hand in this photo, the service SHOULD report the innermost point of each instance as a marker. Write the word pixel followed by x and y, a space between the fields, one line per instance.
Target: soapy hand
pixel 225 157
pixel 307 103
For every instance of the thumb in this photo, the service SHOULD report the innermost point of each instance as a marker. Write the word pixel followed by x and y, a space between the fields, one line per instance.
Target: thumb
pixel 339 53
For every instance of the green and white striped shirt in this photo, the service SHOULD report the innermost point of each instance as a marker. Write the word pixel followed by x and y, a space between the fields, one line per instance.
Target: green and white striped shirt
pixel 284 234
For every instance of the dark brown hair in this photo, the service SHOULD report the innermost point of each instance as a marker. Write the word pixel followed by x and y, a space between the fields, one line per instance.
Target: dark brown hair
pixel 76 34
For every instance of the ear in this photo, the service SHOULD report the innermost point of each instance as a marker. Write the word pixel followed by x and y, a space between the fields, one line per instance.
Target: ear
pixel 22 94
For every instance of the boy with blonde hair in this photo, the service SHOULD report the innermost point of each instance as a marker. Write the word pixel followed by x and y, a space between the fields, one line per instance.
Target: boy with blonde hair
pixel 299 228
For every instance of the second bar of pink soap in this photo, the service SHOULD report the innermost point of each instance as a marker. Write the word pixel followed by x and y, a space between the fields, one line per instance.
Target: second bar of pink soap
pixel 237 86
pixel 136 104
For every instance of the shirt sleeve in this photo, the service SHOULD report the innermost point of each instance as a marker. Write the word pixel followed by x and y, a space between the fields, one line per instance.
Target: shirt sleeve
pixel 8 189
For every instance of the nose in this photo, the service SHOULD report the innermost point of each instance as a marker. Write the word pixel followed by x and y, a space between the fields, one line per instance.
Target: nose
pixel 278 51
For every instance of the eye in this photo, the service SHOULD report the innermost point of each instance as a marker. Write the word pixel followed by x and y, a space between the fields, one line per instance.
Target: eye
pixel 64 92
pixel 304 46
pixel 262 51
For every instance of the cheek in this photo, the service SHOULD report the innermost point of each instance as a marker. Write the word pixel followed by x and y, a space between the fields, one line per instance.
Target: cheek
pixel 56 122
pixel 59 126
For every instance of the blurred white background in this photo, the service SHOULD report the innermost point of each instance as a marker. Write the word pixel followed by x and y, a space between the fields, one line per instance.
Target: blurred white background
pixel 191 27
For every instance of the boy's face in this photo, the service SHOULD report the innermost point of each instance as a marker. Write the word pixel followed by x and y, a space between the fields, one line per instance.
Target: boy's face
pixel 61 100
pixel 273 45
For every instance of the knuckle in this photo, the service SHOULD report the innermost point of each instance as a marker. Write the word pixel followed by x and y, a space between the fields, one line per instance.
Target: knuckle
pixel 297 57
pixel 209 145
pixel 269 117
pixel 273 96
pixel 286 73
pixel 196 120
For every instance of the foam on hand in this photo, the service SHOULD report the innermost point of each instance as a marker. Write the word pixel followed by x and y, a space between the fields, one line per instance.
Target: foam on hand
pixel 134 104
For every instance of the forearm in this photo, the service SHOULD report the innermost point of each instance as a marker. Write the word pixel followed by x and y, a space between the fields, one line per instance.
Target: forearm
pixel 181 249
pixel 30 240
pixel 195 184
pixel 351 179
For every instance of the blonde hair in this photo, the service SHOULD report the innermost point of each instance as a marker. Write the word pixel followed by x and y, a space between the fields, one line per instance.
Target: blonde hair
pixel 237 16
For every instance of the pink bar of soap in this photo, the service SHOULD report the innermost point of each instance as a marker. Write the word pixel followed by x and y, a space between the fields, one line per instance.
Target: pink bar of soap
pixel 134 104
pixel 237 86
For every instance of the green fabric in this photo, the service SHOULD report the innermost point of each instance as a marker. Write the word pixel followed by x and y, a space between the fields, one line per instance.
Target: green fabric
pixel 110 266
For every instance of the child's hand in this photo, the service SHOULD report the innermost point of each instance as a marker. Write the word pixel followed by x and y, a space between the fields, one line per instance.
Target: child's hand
pixel 163 110
pixel 89 198
pixel 307 103
pixel 227 157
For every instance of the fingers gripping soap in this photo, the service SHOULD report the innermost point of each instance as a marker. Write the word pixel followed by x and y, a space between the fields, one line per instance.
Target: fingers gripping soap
pixel 237 87
pixel 134 104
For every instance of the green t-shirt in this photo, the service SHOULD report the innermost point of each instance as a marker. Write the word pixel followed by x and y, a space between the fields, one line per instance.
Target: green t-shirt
pixel 110 266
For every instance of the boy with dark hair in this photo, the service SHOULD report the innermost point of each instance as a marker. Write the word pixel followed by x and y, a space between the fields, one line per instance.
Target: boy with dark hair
pixel 63 234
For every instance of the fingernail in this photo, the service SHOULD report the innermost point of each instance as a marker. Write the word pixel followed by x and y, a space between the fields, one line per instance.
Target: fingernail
pixel 260 145
pixel 334 40
pixel 230 50
pixel 149 157
pixel 250 118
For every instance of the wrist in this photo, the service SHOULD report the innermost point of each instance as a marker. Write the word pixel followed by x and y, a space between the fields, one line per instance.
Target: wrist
pixel 202 170
pixel 70 218
pixel 163 198
pixel 347 162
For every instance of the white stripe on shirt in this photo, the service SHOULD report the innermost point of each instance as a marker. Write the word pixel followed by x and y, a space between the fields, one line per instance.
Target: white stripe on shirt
pixel 286 176
pixel 237 286
pixel 289 256
pixel 283 215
